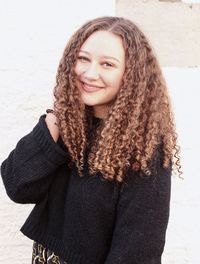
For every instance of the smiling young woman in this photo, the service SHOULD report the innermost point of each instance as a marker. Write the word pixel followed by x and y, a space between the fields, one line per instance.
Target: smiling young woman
pixel 100 68
pixel 98 165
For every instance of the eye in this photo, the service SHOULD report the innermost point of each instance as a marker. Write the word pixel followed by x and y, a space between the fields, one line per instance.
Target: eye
pixel 108 64
pixel 83 58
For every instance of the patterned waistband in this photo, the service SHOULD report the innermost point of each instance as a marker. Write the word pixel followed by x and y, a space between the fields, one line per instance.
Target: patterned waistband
pixel 42 255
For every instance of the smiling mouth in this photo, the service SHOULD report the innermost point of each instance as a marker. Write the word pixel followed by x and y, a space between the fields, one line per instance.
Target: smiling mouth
pixel 89 87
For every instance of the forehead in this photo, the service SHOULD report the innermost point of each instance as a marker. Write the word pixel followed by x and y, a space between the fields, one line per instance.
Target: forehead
pixel 104 43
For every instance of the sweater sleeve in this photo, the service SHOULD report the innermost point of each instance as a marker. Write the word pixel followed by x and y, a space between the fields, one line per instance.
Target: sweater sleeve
pixel 29 169
pixel 142 218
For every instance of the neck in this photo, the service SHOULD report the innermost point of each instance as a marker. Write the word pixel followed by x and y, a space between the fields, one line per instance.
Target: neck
pixel 101 111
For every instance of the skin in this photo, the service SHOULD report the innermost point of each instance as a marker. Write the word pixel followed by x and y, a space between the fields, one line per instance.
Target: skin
pixel 99 69
pixel 50 120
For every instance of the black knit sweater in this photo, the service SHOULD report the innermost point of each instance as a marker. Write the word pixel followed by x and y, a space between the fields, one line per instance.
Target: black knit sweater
pixel 87 220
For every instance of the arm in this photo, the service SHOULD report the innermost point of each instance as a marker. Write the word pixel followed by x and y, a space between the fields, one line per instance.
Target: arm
pixel 142 218
pixel 29 169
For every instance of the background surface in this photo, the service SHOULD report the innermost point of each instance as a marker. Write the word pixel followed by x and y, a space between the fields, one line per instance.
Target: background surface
pixel 33 36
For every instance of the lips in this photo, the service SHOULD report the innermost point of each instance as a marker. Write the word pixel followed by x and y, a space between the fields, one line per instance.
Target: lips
pixel 89 87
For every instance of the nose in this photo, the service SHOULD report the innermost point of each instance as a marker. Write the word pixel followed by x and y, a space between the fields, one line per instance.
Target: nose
pixel 92 72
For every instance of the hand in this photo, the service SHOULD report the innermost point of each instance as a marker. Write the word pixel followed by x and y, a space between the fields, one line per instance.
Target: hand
pixel 51 121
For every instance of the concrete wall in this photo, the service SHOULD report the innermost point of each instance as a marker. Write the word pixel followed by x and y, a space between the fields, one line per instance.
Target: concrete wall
pixel 33 35
pixel 171 26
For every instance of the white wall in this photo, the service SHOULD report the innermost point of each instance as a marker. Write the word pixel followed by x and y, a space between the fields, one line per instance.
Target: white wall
pixel 182 244
pixel 33 35
pixel 191 1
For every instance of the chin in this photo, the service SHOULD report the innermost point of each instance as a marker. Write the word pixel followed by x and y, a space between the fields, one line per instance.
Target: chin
pixel 91 101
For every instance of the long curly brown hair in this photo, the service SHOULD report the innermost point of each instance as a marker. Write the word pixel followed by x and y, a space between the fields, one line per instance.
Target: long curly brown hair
pixel 137 123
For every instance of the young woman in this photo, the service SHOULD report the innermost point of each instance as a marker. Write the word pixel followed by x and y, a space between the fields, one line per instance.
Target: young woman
pixel 98 165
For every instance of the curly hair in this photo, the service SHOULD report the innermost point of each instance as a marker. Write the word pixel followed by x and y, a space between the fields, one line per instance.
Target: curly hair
pixel 137 123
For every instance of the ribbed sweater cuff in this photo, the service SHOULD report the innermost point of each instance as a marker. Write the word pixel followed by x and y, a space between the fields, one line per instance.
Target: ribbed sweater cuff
pixel 46 143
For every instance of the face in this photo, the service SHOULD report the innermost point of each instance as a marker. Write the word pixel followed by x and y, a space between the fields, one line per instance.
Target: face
pixel 99 70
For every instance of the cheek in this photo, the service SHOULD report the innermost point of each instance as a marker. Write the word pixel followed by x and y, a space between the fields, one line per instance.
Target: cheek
pixel 115 80
pixel 78 69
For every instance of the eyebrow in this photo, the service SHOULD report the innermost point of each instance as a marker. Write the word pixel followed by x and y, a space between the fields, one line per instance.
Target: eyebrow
pixel 105 57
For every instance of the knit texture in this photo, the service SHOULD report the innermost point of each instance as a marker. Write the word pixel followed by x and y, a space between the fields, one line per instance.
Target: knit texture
pixel 87 220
